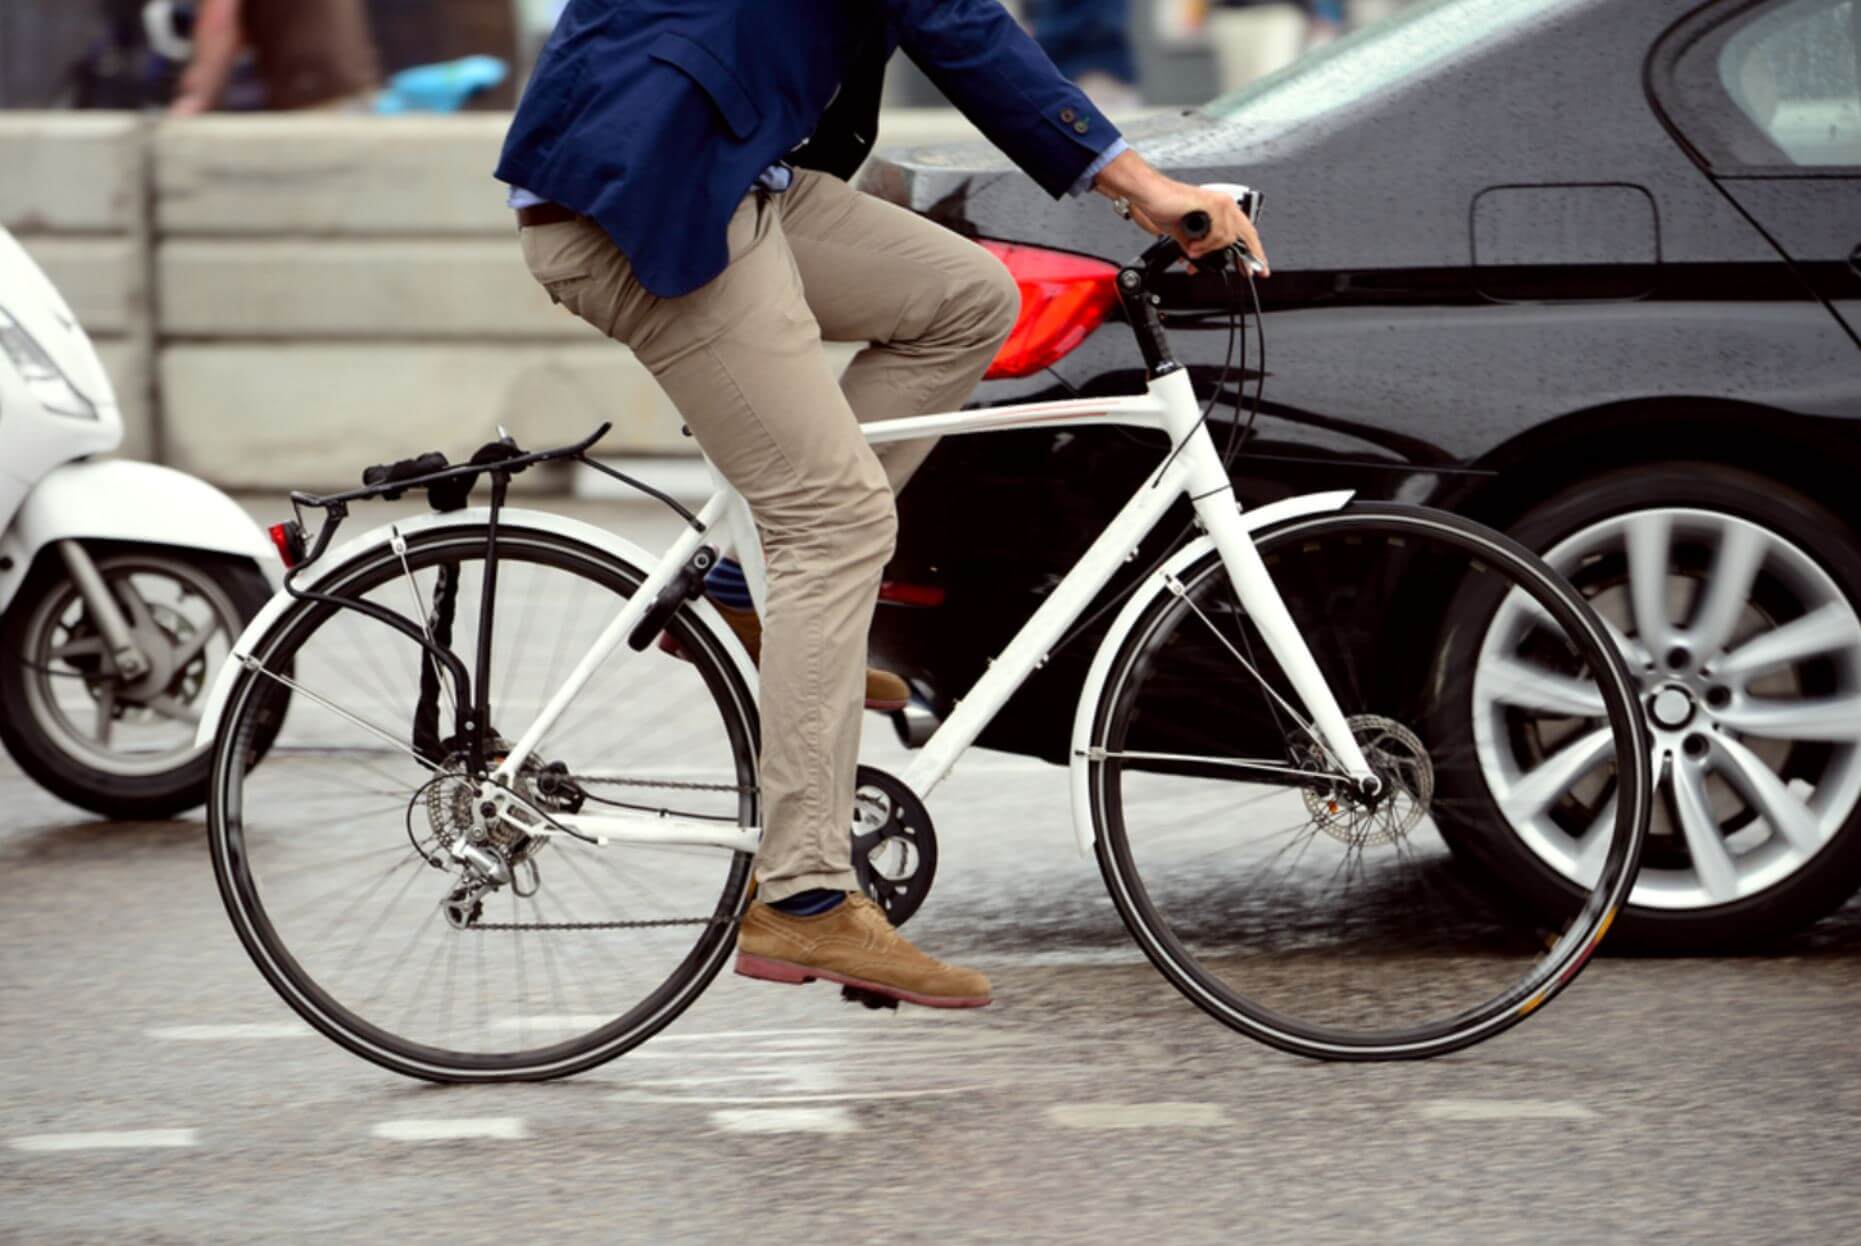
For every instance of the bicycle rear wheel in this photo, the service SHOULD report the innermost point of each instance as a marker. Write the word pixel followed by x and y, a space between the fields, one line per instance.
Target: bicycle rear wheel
pixel 1274 895
pixel 333 857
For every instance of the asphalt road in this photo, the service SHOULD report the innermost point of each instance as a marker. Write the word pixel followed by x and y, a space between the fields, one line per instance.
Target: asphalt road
pixel 153 1088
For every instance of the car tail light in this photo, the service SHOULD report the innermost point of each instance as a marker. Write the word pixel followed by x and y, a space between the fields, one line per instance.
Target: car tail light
pixel 288 540
pixel 1063 298
pixel 899 593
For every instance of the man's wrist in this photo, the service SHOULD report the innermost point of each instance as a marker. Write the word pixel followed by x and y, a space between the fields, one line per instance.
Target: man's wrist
pixel 1130 178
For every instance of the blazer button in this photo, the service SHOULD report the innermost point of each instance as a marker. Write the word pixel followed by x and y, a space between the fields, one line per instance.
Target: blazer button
pixel 1080 126
pixel 1067 115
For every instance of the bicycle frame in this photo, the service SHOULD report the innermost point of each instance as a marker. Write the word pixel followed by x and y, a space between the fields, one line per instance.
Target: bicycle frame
pixel 1195 471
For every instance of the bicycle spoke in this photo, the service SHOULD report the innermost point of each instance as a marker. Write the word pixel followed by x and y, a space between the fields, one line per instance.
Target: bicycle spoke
pixel 373 926
pixel 1338 920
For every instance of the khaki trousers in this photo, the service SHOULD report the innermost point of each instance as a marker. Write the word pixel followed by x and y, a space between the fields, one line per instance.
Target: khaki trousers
pixel 741 358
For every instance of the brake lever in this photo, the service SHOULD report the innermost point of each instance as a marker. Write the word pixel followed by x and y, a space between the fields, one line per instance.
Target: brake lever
pixel 1248 258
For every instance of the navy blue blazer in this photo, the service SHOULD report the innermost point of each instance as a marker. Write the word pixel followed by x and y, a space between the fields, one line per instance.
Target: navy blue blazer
pixel 655 117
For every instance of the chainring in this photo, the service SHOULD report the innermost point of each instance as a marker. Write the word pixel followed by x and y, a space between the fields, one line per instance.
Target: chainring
pixel 894 844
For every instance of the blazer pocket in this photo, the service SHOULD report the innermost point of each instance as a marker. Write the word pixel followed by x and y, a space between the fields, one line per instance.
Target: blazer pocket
pixel 717 79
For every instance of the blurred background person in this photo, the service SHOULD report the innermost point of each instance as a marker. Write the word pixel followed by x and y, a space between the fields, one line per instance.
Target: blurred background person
pixel 1090 42
pixel 309 53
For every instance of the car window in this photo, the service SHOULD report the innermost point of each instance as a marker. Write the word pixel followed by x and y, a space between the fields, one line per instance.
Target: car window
pixel 1794 70
pixel 1361 64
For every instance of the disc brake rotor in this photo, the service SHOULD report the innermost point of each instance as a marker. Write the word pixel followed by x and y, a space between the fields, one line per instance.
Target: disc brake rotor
pixel 1397 757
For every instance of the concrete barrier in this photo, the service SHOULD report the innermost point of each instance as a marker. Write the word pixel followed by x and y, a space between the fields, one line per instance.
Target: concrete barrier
pixel 413 288
pixel 283 299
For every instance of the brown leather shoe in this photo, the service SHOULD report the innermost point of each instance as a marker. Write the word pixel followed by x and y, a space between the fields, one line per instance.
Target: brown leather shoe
pixel 854 945
pixel 885 691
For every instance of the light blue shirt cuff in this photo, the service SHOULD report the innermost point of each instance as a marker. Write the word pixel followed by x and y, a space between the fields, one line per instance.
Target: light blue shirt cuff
pixel 1118 148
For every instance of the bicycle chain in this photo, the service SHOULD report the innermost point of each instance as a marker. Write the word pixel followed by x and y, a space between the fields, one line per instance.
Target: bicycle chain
pixel 643 923
pixel 678 785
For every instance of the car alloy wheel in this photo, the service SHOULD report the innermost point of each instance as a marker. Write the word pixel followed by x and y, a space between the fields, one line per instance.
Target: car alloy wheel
pixel 1748 654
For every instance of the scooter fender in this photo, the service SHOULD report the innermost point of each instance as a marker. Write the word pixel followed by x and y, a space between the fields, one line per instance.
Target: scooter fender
pixel 329 570
pixel 122 500
pixel 1192 553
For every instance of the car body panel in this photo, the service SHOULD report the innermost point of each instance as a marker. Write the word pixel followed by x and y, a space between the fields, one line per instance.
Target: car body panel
pixel 1429 338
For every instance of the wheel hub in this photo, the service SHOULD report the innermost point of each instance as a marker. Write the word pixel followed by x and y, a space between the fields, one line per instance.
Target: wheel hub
pixel 486 853
pixel 1671 707
pixel 1400 799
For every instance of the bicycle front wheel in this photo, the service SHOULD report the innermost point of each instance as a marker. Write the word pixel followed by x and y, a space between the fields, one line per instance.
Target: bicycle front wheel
pixel 1286 903
pixel 336 856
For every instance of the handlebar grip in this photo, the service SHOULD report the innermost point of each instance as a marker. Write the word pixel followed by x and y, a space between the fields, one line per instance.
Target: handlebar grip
pixel 1197 224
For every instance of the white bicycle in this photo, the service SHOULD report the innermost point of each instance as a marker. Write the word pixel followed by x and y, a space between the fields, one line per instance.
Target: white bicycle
pixel 502 844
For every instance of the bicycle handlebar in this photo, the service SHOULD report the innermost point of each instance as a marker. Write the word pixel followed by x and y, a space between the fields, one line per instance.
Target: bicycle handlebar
pixel 1197 224
pixel 1135 278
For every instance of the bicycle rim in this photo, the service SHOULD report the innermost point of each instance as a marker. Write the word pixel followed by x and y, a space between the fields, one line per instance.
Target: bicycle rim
pixel 333 857
pixel 1279 901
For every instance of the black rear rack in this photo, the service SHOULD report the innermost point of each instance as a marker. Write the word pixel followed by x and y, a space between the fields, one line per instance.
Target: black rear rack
pixel 449 488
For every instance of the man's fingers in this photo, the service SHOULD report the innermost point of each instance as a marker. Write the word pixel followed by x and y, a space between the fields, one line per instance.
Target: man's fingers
pixel 1250 238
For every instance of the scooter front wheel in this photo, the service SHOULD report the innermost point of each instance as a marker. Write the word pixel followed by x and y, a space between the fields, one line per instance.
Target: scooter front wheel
pixel 118 745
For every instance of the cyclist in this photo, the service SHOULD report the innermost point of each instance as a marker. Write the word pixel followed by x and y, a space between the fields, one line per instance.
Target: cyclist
pixel 663 197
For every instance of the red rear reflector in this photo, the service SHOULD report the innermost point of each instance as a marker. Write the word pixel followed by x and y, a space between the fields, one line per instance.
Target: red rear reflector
pixel 288 540
pixel 1063 298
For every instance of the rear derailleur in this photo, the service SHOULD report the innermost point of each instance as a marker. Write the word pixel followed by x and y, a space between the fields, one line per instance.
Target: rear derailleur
pixel 472 836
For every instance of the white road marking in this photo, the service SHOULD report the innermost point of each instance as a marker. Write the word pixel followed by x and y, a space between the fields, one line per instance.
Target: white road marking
pixel 820 1032
pixel 591 1021
pixel 1503 1110
pixel 1136 1115
pixel 555 1021
pixel 231 1033
pixel 1059 958
pixel 784 1121
pixel 109 1140
pixel 803 1078
pixel 505 1128
pixel 823 1051
pixel 832 1097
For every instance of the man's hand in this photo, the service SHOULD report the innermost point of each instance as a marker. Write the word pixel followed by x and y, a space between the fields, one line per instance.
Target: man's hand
pixel 191 104
pixel 218 37
pixel 1159 203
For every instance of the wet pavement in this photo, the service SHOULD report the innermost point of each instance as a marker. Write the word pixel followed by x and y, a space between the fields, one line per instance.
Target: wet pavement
pixel 154 1087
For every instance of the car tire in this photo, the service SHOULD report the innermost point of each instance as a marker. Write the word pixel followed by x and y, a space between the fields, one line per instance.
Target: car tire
pixel 1769 884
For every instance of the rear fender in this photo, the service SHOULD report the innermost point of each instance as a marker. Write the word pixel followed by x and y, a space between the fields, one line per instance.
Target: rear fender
pixel 335 564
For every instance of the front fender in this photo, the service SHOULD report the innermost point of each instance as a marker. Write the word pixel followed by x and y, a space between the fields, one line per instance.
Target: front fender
pixel 337 561
pixel 123 500
pixel 1094 689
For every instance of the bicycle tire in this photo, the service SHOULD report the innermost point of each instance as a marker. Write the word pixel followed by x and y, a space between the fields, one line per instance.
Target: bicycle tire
pixel 1154 932
pixel 281 967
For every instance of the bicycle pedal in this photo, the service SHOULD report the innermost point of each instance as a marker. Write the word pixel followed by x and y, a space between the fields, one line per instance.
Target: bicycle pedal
pixel 872 999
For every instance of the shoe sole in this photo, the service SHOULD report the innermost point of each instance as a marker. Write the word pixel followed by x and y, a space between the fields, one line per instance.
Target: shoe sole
pixel 765 970
pixel 667 645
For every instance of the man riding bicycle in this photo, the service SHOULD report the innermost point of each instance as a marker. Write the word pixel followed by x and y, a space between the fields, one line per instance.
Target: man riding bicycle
pixel 678 169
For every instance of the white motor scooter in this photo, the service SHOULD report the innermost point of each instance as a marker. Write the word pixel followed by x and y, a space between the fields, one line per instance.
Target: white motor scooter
pixel 122 585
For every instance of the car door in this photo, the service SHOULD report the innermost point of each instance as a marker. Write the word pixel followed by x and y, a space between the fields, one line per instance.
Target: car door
pixel 1767 95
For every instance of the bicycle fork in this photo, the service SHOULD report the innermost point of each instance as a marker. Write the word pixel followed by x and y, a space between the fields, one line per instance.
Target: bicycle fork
pixel 1211 494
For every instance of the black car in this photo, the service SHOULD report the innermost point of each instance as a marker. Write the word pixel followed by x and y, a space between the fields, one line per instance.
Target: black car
pixel 1585 270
